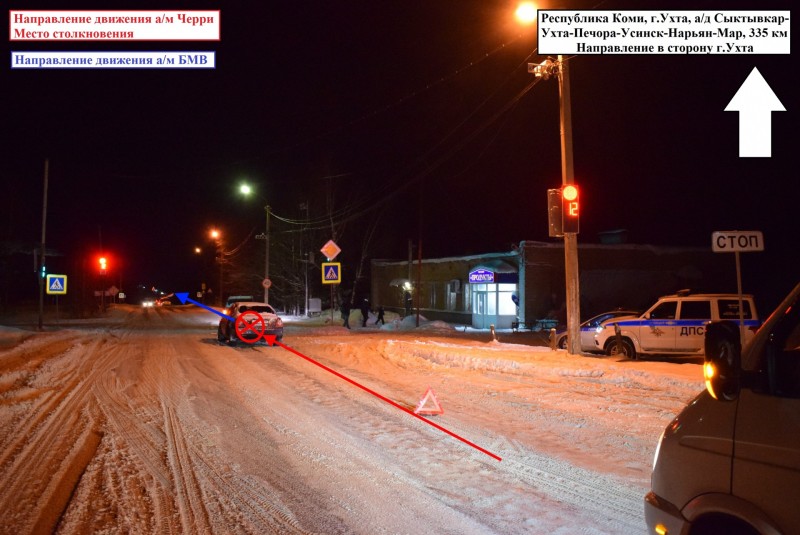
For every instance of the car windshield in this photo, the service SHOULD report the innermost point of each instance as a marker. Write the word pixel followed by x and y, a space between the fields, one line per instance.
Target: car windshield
pixel 261 309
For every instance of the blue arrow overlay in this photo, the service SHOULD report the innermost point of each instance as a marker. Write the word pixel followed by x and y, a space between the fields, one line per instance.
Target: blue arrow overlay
pixel 184 297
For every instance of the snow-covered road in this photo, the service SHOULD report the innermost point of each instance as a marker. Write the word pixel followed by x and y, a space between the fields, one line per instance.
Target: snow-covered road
pixel 143 423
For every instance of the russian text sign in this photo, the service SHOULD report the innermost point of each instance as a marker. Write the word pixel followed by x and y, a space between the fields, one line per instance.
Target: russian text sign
pixel 107 25
pixel 478 276
pixel 737 241
pixel 568 32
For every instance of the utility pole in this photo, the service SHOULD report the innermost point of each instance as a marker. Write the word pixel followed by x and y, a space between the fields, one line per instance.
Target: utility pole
pixel 570 238
pixel 266 260
pixel 41 256
pixel 304 253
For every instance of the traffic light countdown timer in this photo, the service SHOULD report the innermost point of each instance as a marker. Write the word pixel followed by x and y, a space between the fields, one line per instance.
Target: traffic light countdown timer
pixel 563 210
pixel 570 208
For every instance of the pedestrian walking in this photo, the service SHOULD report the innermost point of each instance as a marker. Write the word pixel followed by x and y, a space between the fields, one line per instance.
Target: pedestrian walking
pixel 364 312
pixel 344 308
pixel 380 316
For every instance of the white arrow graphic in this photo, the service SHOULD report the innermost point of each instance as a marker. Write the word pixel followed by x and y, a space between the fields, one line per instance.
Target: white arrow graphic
pixel 755 102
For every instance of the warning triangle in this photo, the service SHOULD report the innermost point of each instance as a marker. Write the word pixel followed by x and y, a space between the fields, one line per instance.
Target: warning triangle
pixel 56 285
pixel 422 409
pixel 331 274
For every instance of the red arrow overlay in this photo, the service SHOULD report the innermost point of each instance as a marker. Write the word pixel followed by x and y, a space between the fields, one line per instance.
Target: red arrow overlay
pixel 271 340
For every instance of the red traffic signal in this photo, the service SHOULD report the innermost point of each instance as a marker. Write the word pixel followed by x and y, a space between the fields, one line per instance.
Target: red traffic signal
pixel 570 209
pixel 103 262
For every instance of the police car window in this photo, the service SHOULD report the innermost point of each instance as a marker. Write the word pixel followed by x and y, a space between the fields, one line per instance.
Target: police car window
pixel 729 309
pixel 696 310
pixel 599 319
pixel 664 311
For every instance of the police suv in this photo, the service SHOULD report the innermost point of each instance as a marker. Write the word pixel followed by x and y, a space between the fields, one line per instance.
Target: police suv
pixel 676 324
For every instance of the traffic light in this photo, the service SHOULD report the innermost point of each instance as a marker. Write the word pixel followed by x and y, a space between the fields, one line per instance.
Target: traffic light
pixel 554 220
pixel 103 265
pixel 570 209
pixel 563 210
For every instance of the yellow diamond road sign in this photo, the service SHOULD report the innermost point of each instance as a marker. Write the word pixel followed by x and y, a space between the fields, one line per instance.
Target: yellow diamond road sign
pixel 331 272
pixel 330 250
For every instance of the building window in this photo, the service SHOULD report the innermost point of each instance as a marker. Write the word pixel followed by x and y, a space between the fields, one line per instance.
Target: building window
pixel 432 295
pixel 505 303
pixel 451 296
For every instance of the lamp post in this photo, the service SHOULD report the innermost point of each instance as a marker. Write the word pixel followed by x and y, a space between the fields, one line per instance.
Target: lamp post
pixel 266 258
pixel 217 237
pixel 42 267
pixel 246 190
pixel 526 13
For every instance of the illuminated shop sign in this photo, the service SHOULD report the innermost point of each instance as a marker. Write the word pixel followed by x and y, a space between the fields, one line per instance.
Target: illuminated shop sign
pixel 480 276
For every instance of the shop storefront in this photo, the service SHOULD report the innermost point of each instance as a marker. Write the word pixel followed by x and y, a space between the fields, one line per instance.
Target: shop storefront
pixel 527 283
pixel 493 289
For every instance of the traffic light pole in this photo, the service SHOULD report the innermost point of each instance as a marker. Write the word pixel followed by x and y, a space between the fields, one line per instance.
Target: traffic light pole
pixel 570 238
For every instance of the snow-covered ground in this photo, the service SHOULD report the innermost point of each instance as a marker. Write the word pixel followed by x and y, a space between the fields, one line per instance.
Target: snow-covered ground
pixel 142 423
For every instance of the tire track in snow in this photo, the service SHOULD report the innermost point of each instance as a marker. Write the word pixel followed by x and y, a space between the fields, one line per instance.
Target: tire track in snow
pixel 63 485
pixel 143 440
pixel 45 444
pixel 206 487
pixel 193 514
pixel 164 387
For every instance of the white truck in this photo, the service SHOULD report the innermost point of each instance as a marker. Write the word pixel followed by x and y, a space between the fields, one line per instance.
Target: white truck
pixel 730 461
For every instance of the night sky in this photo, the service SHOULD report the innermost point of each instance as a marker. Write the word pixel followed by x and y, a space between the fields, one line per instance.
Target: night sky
pixel 417 110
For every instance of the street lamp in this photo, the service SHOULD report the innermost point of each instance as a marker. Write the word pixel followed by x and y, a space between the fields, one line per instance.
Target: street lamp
pixel 526 14
pixel 246 190
pixel 217 237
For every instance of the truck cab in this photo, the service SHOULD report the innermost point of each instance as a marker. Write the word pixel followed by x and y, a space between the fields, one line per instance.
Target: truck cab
pixel 730 461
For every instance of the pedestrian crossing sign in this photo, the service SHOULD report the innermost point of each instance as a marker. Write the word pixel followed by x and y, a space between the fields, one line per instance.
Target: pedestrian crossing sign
pixel 57 284
pixel 331 272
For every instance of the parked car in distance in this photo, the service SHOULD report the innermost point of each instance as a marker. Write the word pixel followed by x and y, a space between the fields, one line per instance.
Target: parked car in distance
pixel 235 299
pixel 730 461
pixel 676 325
pixel 272 325
pixel 167 300
pixel 590 327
